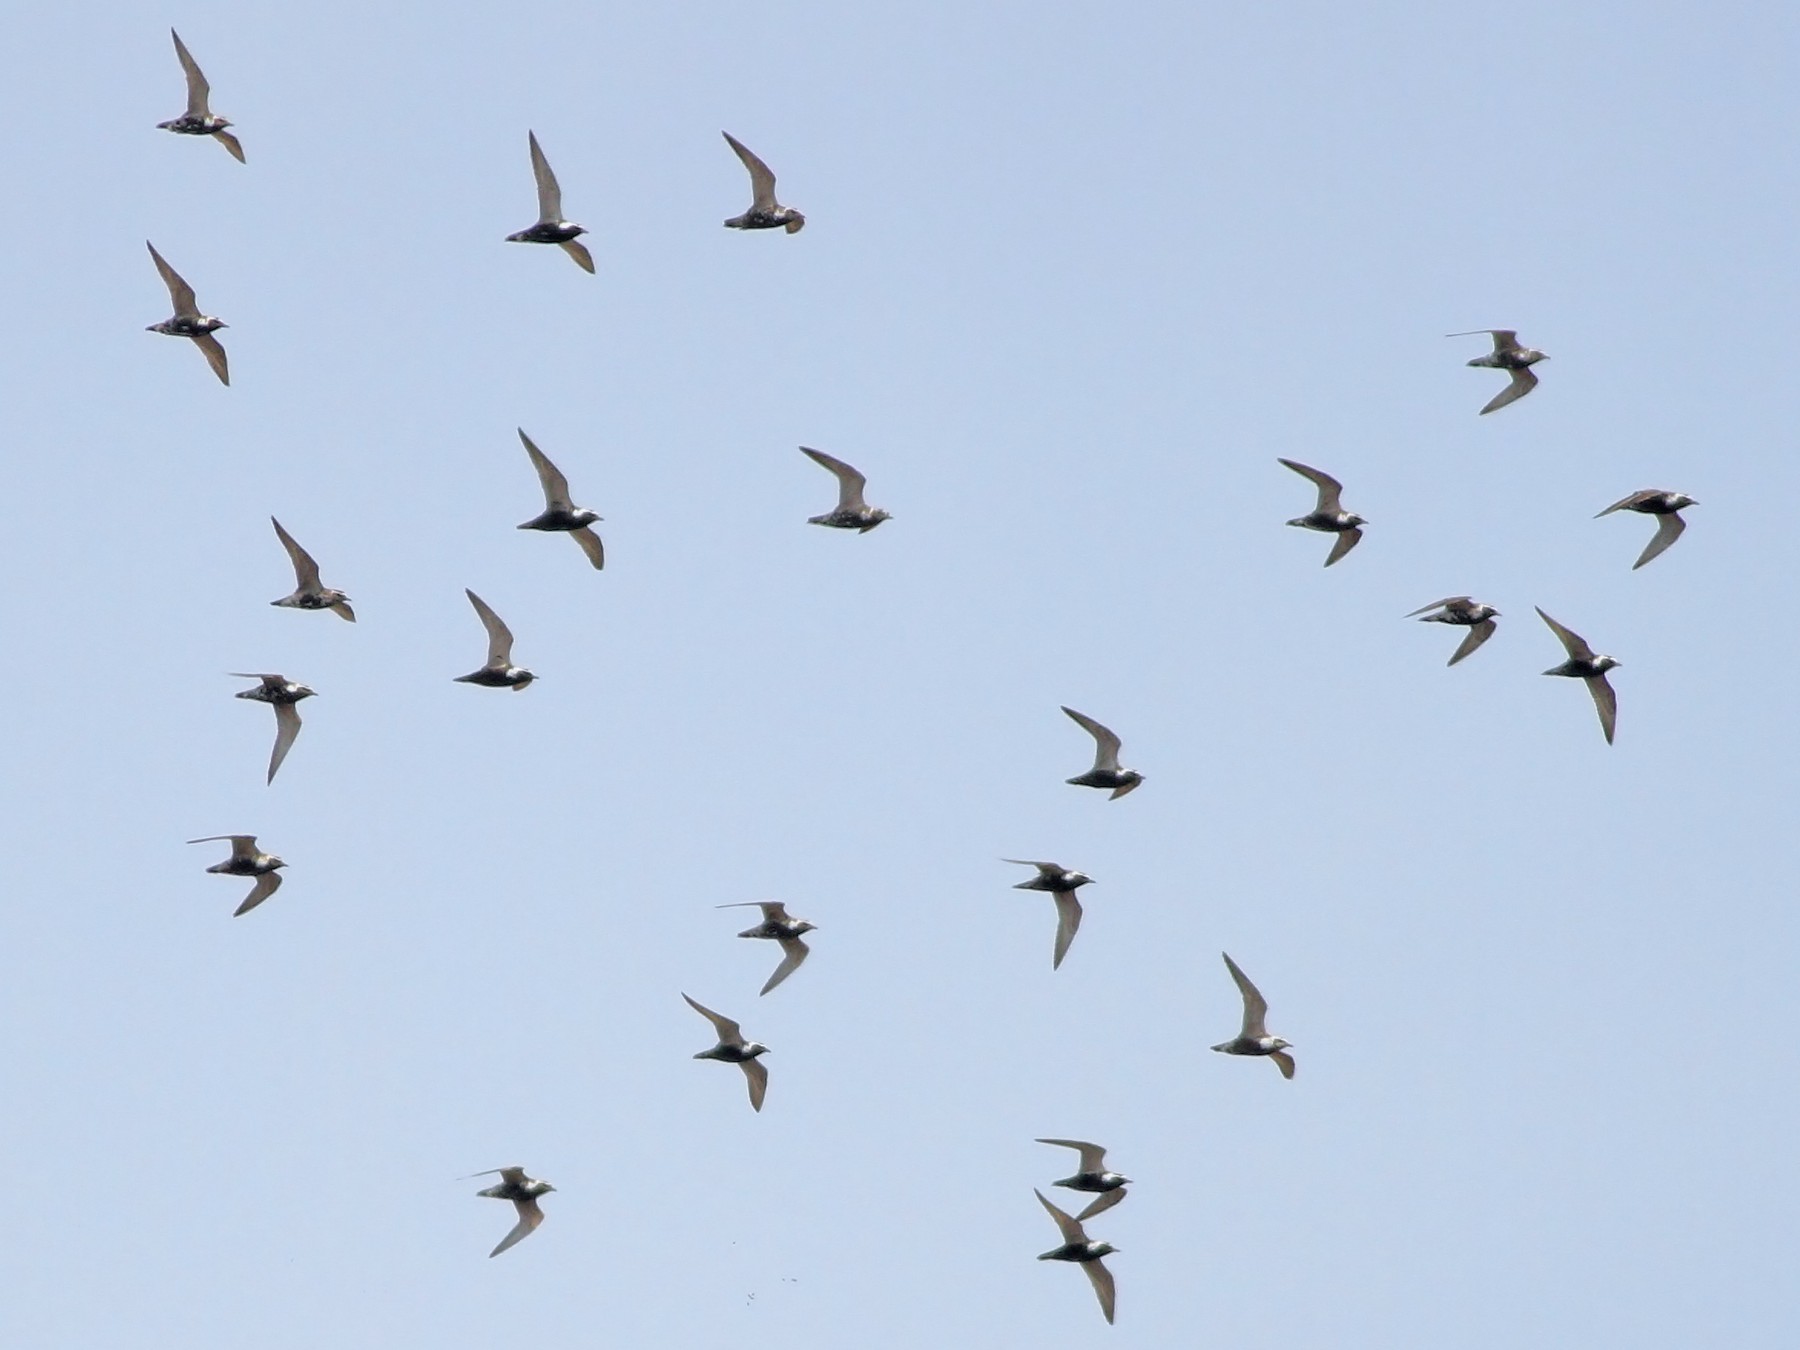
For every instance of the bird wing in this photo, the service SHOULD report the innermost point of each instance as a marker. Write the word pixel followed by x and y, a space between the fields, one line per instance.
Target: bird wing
pixel 762 181
pixel 1283 1061
pixel 266 885
pixel 1070 1228
pixel 198 90
pixel 1068 920
pixel 850 482
pixel 500 638
pixel 237 842
pixel 1668 530
pixel 530 1216
pixel 1629 500
pixel 1573 643
pixel 729 1031
pixel 1346 540
pixel 549 193
pixel 215 356
pixel 1101 1278
pixel 556 487
pixel 1606 702
pixel 1478 634
pixel 795 951
pixel 1330 490
pixel 1093 1157
pixel 1047 869
pixel 306 571
pixel 579 252
pixel 343 611
pixel 1523 382
pixel 287 727
pixel 591 545
pixel 758 1078
pixel 1447 602
pixel 233 146
pixel 1106 745
pixel 1256 1008
pixel 1101 1203
pixel 181 295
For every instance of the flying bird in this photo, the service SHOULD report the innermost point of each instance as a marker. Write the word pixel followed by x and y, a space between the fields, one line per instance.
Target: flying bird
pixel 1329 515
pixel 734 1049
pixel 499 672
pixel 765 212
pixel 560 515
pixel 282 694
pixel 1254 1038
pixel 247 860
pixel 1106 772
pixel 1464 612
pixel 1509 356
pixel 188 321
pixel 781 927
pixel 199 120
pixel 1664 505
pixel 1092 1176
pixel 1076 1246
pixel 1585 664
pixel 1062 884
pixel 852 512
pixel 551 228
pixel 309 592
pixel 523 1192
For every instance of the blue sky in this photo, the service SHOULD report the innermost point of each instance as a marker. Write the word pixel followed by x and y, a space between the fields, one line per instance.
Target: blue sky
pixel 1072 280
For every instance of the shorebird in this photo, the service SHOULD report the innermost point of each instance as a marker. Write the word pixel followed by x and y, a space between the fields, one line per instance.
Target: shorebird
pixel 1585 664
pixel 199 119
pixel 551 228
pixel 1106 772
pixel 247 860
pixel 781 927
pixel 1076 1246
pixel 499 672
pixel 1464 612
pixel 734 1049
pixel 1107 1188
pixel 188 321
pixel 1254 1039
pixel 560 515
pixel 765 212
pixel 280 693
pixel 1329 515
pixel 523 1192
pixel 309 592
pixel 1664 505
pixel 1062 885
pixel 852 512
pixel 1509 356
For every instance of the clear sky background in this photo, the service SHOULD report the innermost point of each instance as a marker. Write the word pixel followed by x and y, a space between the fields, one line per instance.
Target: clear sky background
pixel 1074 276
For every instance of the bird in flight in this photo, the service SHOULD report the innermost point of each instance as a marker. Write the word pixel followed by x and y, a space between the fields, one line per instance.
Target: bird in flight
pixel 1062 884
pixel 1509 356
pixel 734 1049
pixel 199 119
pixel 1092 1176
pixel 188 321
pixel 551 228
pixel 247 860
pixel 1106 772
pixel 499 672
pixel 560 515
pixel 1465 612
pixel 851 512
pixel 765 212
pixel 1329 515
pixel 1666 506
pixel 1254 1038
pixel 309 592
pixel 280 693
pixel 1585 664
pixel 523 1191
pixel 1077 1246
pixel 779 926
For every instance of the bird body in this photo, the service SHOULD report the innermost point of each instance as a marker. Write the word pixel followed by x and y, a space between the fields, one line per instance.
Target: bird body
pixel 851 512
pixel 1585 663
pixel 282 694
pixel 1078 1247
pixel 765 212
pixel 309 592
pixel 1465 612
pixel 1061 883
pixel 1510 356
pixel 734 1049
pixel 523 1191
pixel 779 926
pixel 199 118
pixel 1253 1038
pixel 1329 515
pixel 187 321
pixel 560 514
pixel 1092 1177
pixel 499 672
pixel 1106 773
pixel 550 227
pixel 246 860
pixel 1664 505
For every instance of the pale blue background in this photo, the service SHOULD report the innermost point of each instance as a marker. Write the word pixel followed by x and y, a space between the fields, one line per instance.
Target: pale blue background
pixel 1074 276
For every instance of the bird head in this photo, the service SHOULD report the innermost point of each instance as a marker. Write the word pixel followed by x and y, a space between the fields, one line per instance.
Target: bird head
pixel 1078 878
pixel 1102 1248
pixel 1681 499
pixel 275 862
pixel 1277 1043
pixel 1606 663
pixel 805 927
pixel 1355 520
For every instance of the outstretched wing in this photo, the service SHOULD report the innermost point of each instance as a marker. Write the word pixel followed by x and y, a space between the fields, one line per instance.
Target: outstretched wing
pixel 590 545
pixel 306 571
pixel 1573 643
pixel 1256 1008
pixel 1606 702
pixel 1101 1203
pixel 758 1078
pixel 1330 490
pixel 578 251
pixel 287 727
pixel 794 952
pixel 1093 1157
pixel 1346 540
pixel 266 885
pixel 1101 1278
pixel 1447 602
pixel 1478 634
pixel 198 90
pixel 1106 745
pixel 181 295
pixel 530 1216
pixel 762 181
pixel 850 482
pixel 1069 1227
pixel 549 192
pixel 215 356
pixel 500 638
pixel 729 1031
pixel 556 487
pixel 1068 921
pixel 1523 382
pixel 1668 530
